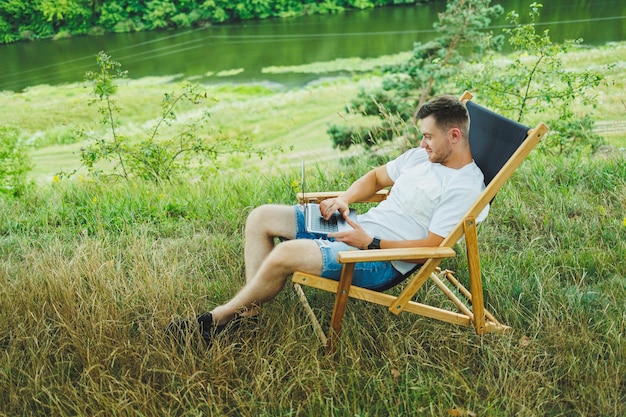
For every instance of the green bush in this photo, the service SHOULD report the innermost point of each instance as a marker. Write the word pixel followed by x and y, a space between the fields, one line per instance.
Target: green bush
pixel 190 147
pixel 535 82
pixel 159 14
pixel 15 162
pixel 464 36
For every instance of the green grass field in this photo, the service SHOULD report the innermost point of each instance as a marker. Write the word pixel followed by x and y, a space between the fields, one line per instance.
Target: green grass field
pixel 90 273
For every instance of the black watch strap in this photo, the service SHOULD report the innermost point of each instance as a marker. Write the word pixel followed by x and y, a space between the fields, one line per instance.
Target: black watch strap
pixel 375 243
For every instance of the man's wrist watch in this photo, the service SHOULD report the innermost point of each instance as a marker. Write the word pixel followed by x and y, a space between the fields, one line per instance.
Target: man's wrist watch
pixel 375 243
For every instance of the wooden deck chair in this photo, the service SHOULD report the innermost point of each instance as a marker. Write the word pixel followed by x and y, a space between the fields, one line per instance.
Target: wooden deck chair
pixel 499 146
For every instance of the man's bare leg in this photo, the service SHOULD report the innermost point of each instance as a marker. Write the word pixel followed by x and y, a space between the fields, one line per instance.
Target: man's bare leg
pixel 286 258
pixel 267 267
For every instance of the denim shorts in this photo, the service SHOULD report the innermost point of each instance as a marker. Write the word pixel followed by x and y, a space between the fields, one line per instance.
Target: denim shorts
pixel 366 274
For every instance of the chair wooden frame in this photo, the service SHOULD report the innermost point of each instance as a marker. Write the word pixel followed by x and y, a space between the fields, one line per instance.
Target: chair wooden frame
pixel 471 311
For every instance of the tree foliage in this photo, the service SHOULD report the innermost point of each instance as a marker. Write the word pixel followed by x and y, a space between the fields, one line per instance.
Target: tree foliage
pixel 463 37
pixel 46 18
pixel 535 81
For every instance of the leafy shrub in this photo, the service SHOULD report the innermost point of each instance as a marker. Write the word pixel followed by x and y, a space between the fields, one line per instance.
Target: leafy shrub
pixel 345 136
pixel 571 134
pixel 15 162
pixel 535 82
pixel 111 14
pixel 156 157
pixel 159 14
pixel 463 37
pixel 70 16
pixel 5 32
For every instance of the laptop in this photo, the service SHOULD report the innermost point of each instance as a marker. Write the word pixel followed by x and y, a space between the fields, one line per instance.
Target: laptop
pixel 314 221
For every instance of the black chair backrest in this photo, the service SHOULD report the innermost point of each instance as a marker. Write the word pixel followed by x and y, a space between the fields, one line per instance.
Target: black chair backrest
pixel 493 139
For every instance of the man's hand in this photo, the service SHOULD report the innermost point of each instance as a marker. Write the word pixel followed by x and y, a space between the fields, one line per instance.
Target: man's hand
pixel 357 237
pixel 330 205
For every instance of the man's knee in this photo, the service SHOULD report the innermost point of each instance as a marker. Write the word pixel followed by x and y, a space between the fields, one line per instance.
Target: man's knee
pixel 257 217
pixel 274 219
pixel 263 213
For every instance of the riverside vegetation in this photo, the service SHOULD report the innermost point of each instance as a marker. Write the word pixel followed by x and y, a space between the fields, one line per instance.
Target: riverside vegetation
pixel 92 271
pixel 61 19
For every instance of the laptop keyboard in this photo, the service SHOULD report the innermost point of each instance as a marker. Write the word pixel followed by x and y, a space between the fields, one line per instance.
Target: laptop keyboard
pixel 327 226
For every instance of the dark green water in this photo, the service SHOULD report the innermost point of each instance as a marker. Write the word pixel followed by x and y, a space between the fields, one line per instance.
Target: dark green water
pixel 248 47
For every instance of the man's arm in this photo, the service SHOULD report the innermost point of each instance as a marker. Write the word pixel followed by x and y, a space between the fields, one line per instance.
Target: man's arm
pixel 361 189
pixel 359 238
pixel 366 186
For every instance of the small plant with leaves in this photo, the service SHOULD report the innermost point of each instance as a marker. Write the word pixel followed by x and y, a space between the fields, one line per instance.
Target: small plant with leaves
pixel 104 83
pixel 15 162
pixel 158 156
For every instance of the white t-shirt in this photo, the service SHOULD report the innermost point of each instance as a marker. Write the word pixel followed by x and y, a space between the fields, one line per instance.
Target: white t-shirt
pixel 425 197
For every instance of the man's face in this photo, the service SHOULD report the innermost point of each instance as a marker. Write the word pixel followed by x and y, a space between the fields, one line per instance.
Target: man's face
pixel 435 141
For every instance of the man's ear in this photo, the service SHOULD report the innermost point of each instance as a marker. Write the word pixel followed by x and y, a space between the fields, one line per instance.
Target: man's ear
pixel 455 135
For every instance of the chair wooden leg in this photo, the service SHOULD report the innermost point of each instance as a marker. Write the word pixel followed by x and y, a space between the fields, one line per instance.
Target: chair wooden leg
pixel 455 282
pixel 451 296
pixel 339 310
pixel 476 283
pixel 310 314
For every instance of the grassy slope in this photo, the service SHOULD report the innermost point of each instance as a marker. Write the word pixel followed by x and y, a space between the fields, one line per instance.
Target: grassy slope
pixel 297 118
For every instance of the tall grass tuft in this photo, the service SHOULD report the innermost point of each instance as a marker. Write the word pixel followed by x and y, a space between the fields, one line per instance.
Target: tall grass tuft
pixel 90 275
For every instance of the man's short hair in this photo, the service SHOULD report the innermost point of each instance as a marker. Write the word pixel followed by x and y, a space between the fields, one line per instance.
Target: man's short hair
pixel 448 112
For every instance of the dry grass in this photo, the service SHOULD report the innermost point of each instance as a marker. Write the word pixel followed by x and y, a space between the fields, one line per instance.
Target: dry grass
pixel 90 275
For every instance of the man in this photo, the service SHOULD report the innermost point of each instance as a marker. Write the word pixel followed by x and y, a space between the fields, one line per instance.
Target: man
pixel 433 187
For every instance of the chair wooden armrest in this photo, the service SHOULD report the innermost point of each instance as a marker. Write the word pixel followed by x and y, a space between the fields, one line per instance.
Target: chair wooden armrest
pixel 316 197
pixel 403 254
